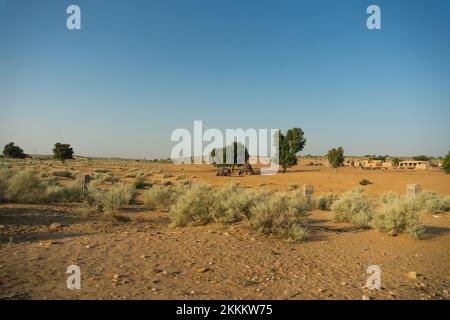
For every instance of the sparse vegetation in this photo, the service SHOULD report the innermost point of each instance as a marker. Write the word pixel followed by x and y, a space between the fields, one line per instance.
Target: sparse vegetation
pixel 364 182
pixel 162 197
pixel 142 183
pixel 234 204
pixel 325 201
pixel 355 207
pixel 110 200
pixel 282 214
pixel 194 208
pixel 63 173
pixel 431 202
pixel 398 215
pixel 26 187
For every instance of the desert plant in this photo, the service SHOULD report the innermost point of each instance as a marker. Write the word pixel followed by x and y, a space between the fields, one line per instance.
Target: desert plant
pixel 398 216
pixel 431 202
pixel 194 208
pixel 108 201
pixel 234 204
pixel 325 201
pixel 63 173
pixel 141 183
pixel 25 186
pixel 364 182
pixel 293 186
pixel 58 194
pixel 389 197
pixel 102 170
pixel 162 197
pixel 282 214
pixel 353 206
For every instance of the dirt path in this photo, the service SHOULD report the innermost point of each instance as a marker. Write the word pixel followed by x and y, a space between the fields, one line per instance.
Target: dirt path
pixel 144 259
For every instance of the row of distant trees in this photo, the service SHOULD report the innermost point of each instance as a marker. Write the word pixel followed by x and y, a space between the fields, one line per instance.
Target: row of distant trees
pixel 61 151
pixel 290 144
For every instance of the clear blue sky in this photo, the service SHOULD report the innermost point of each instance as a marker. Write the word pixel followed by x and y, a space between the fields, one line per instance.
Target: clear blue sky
pixel 140 69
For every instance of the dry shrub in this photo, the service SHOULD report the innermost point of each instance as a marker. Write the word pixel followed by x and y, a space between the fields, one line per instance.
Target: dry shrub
pixel 282 214
pixel 162 197
pixel 325 201
pixel 109 201
pixel 431 202
pixel 194 208
pixel 25 186
pixel 389 197
pixel 234 204
pixel 63 174
pixel 398 215
pixel 58 194
pixel 355 207
pixel 293 186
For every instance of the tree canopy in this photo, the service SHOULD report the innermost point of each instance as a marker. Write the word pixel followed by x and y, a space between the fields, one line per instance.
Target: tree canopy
pixel 12 151
pixel 290 144
pixel 62 152
pixel 236 148
pixel 446 163
pixel 335 157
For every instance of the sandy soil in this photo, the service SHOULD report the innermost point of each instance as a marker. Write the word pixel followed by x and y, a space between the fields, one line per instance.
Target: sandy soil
pixel 140 257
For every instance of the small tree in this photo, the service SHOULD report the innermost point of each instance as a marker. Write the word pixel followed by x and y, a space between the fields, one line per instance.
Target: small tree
pixel 12 151
pixel 336 157
pixel 289 146
pixel 396 161
pixel 62 152
pixel 446 163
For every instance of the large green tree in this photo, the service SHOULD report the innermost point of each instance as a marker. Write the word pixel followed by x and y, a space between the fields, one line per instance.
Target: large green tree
pixel 446 163
pixel 12 151
pixel 236 148
pixel 335 157
pixel 290 144
pixel 62 152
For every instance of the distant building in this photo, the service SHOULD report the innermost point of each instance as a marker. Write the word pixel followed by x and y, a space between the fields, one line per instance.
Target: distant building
pixel 421 165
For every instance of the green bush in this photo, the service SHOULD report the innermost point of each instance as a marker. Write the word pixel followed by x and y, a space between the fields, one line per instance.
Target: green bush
pixel 325 201
pixel 194 208
pixel 364 182
pixel 353 206
pixel 282 214
pixel 398 216
pixel 141 183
